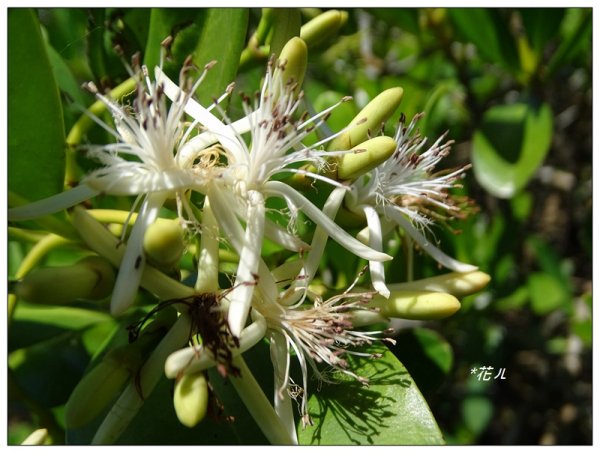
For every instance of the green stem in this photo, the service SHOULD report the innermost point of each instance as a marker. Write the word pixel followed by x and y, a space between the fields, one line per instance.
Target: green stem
pixel 82 125
pixel 258 405
pixel 21 234
pixel 35 255
pixel 130 402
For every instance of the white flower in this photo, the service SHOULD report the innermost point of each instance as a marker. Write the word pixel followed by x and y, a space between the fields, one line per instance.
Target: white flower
pixel 274 145
pixel 404 191
pixel 151 158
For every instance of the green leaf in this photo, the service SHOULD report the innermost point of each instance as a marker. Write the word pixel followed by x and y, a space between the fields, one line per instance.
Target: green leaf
pixel 166 22
pixel 547 293
pixel 427 355
pixel 541 25
pixel 36 139
pixel 477 413
pixel 511 143
pixel 286 25
pixel 390 411
pixel 488 31
pixel 32 324
pixel 575 40
pixel 226 52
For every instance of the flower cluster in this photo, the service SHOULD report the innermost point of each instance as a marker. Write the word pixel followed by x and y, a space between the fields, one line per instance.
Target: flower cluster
pixel 170 147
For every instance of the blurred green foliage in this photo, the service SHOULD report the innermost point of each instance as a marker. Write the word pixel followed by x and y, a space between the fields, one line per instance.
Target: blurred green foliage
pixel 513 87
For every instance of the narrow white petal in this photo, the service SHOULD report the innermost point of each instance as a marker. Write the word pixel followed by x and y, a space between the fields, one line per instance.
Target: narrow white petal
pixel 52 204
pixel 225 133
pixel 221 201
pixel 132 265
pixel 240 297
pixel 280 357
pixel 375 241
pixel 426 245
pixel 338 234
pixel 311 264
pixel 133 179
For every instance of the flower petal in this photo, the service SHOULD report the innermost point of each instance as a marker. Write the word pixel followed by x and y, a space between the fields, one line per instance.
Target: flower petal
pixel 240 297
pixel 375 241
pixel 225 134
pixel 133 178
pixel 280 357
pixel 132 265
pixel 52 204
pixel 332 229
pixel 426 245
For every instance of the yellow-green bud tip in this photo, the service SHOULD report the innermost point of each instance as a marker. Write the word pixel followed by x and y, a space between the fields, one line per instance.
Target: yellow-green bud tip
pixel 458 284
pixel 323 26
pixel 365 157
pixel 294 59
pixel 369 120
pixel 38 437
pixel 419 305
pixel 191 399
pixel 164 243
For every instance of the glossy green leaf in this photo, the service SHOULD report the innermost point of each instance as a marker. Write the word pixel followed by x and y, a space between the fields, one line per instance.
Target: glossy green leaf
pixel 36 140
pixel 390 411
pixel 511 143
pixel 226 52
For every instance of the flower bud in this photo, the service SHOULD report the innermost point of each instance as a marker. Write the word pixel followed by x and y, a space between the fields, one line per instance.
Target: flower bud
pixel 458 284
pixel 90 278
pixel 294 58
pixel 38 437
pixel 164 243
pixel 421 305
pixel 370 118
pixel 191 399
pixel 323 26
pixel 366 156
pixel 98 388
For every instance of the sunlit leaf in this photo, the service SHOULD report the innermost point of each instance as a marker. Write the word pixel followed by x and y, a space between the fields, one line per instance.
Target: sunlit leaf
pixel 390 411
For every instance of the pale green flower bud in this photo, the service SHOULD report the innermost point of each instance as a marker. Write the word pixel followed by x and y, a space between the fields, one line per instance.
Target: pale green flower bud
pixel 38 437
pixel 191 399
pixel 294 58
pixel 421 305
pixel 458 284
pixel 323 27
pixel 366 156
pixel 91 278
pixel 369 120
pixel 98 388
pixel 164 243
